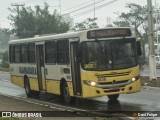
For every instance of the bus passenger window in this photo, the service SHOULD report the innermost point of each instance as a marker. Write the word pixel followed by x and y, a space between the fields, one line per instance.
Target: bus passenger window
pixel 63 52
pixel 17 53
pixel 50 52
pixel 31 53
pixel 11 54
pixel 24 53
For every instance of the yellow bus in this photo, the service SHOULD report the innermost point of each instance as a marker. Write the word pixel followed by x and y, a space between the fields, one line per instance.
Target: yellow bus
pixel 84 64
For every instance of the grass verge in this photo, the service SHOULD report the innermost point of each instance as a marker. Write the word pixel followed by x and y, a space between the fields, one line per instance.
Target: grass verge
pixel 4 69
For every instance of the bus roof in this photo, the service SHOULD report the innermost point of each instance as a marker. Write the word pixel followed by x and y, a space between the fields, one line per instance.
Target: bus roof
pixel 43 38
pixel 60 36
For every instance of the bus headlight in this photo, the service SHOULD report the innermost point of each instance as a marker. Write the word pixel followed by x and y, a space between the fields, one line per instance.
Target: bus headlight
pixel 90 83
pixel 93 83
pixel 135 78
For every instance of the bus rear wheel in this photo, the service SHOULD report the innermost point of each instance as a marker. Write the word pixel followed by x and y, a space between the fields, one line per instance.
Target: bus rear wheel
pixel 66 95
pixel 28 91
pixel 113 97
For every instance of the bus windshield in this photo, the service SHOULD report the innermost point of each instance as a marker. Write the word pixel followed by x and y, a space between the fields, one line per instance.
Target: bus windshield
pixel 108 54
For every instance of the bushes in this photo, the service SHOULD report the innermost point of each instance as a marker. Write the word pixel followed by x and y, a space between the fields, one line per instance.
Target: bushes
pixel 4 57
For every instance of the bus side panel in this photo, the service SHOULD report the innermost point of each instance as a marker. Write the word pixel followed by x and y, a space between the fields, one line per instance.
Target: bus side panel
pixel 70 86
pixel 54 74
pixel 34 84
pixel 52 82
pixel 53 86
pixel 64 72
pixel 14 74
pixel 14 80
pixel 21 81
pixel 30 71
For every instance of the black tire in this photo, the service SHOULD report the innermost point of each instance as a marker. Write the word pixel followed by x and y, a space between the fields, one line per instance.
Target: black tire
pixel 28 91
pixel 113 97
pixel 66 95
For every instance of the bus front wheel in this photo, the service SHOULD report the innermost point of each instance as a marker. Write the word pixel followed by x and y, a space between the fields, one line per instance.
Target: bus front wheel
pixel 113 97
pixel 66 95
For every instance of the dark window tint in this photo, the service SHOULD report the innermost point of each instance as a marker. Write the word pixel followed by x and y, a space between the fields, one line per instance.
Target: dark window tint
pixel 17 53
pixel 24 53
pixel 11 53
pixel 63 52
pixel 31 53
pixel 50 56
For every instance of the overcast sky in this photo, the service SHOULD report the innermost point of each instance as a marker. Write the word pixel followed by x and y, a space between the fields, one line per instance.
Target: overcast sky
pixel 78 9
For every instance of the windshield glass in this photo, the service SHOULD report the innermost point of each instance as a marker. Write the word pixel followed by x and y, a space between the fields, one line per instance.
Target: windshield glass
pixel 108 55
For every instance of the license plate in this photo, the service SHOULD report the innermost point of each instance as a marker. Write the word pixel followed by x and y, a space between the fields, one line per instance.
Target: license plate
pixel 114 88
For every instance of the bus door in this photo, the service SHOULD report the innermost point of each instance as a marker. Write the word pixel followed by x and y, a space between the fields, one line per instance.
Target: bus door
pixel 75 67
pixel 40 66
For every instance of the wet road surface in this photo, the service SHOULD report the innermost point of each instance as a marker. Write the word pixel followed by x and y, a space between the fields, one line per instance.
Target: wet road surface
pixel 146 100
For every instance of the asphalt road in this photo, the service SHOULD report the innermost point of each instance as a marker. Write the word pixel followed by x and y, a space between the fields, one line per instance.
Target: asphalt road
pixel 14 101
pixel 146 100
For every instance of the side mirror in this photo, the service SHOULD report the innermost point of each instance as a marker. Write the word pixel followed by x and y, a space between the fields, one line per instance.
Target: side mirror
pixel 139 51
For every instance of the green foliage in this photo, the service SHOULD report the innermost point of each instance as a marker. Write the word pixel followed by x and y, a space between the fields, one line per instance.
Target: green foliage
pixel 109 25
pixel 5 60
pixel 136 17
pixel 5 56
pixel 28 22
pixel 4 38
pixel 88 23
pixel 121 23
pixel 5 69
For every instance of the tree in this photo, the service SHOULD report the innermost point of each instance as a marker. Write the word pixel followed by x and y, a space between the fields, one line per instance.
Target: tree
pixel 137 17
pixel 121 23
pixel 5 59
pixel 86 24
pixel 28 22
pixel 4 38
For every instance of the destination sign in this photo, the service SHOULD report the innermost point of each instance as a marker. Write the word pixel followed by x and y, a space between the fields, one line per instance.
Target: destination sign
pixel 107 33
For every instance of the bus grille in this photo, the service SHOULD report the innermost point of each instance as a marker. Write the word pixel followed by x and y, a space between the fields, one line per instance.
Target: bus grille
pixel 113 86
pixel 110 83
pixel 113 74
